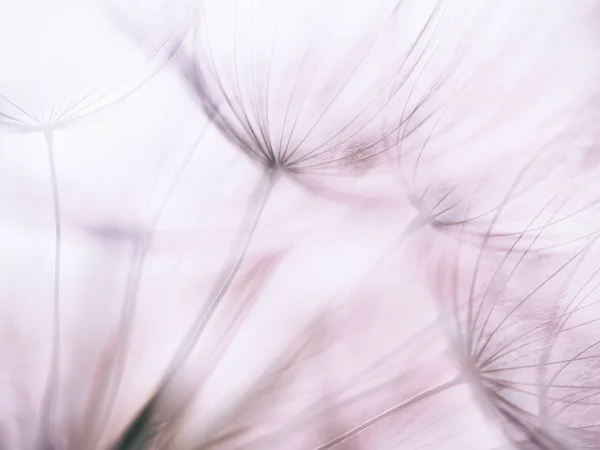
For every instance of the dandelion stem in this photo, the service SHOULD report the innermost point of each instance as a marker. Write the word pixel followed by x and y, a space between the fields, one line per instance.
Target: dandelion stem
pixel 394 409
pixel 239 249
pixel 136 273
pixel 50 394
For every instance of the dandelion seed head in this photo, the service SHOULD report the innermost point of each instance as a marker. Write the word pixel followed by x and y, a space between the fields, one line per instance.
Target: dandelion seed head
pixel 236 253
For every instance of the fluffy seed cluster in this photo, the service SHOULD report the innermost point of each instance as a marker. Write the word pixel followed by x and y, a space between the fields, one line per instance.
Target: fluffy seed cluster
pixel 299 224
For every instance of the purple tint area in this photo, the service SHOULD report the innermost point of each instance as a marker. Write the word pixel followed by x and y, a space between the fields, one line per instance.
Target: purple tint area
pixel 299 224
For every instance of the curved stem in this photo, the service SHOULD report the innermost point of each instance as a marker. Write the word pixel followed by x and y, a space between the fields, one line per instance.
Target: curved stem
pixel 136 273
pixel 239 251
pixel 424 395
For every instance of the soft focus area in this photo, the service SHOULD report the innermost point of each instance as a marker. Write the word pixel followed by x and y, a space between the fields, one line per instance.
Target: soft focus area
pixel 299 224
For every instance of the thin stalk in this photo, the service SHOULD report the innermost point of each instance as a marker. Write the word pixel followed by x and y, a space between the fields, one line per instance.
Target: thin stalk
pixel 239 250
pixel 136 272
pixel 416 224
pixel 424 395
pixel 45 437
